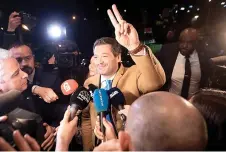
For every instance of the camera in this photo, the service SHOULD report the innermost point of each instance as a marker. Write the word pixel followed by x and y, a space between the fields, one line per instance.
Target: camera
pixel 24 121
pixel 28 21
pixel 66 54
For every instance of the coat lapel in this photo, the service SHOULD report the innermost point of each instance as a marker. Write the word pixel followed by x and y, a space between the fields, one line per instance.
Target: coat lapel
pixel 118 75
pixel 172 62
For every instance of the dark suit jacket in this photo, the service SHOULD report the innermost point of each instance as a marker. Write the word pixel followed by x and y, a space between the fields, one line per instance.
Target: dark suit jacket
pixel 52 113
pixel 168 56
pixel 7 39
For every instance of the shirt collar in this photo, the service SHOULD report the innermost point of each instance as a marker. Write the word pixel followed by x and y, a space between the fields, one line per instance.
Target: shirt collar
pixel 104 78
pixel 194 54
pixel 31 76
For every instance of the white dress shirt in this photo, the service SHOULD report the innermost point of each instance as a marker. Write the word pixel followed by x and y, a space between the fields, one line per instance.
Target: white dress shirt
pixel 31 77
pixel 178 74
pixel 103 82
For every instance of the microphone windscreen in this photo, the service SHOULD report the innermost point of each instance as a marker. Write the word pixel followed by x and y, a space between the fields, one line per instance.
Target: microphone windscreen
pixel 101 100
pixel 116 97
pixel 69 86
pixel 81 97
pixel 92 88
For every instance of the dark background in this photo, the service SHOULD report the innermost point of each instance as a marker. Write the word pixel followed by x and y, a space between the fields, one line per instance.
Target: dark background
pixel 141 13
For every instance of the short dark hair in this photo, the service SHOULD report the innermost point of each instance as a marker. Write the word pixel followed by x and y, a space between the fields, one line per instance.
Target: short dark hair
pixel 212 104
pixel 116 48
pixel 18 44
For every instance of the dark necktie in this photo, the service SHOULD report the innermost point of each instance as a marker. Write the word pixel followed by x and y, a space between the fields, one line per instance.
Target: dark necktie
pixel 187 78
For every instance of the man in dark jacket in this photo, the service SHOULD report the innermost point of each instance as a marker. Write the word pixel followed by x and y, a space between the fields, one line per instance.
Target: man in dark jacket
pixel 44 86
pixel 185 64
pixel 13 78
pixel 8 37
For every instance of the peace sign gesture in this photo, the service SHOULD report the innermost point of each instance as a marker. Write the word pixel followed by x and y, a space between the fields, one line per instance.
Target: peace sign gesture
pixel 125 33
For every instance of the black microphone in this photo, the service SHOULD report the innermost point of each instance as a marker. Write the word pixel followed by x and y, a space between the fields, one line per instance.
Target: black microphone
pixel 117 99
pixel 92 88
pixel 79 100
pixel 9 101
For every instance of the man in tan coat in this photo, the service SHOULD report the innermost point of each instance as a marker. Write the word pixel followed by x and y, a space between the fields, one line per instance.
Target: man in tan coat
pixel 146 76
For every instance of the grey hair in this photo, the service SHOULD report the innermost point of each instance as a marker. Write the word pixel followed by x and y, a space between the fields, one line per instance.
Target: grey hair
pixel 4 54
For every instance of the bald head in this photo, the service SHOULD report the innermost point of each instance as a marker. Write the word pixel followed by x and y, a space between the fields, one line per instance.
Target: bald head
pixel 164 121
pixel 187 41
pixel 189 32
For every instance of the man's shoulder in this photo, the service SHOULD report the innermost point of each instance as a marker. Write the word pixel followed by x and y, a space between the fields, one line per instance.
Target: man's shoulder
pixel 169 47
pixel 133 68
pixel 175 44
pixel 92 80
pixel 47 78
pixel 41 73
pixel 128 72
pixel 46 71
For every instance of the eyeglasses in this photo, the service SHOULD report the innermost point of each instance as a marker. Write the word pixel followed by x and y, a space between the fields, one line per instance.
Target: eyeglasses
pixel 26 58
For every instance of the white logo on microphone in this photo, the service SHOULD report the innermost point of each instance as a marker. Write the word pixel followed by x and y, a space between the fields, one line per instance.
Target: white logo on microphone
pixel 113 93
pixel 101 99
pixel 84 95
pixel 67 87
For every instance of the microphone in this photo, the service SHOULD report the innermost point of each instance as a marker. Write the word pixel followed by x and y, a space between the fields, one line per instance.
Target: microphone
pixel 117 99
pixel 101 104
pixel 9 101
pixel 69 86
pixel 79 100
pixel 92 88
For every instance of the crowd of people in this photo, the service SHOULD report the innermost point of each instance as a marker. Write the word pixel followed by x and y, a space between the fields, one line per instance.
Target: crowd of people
pixel 167 103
